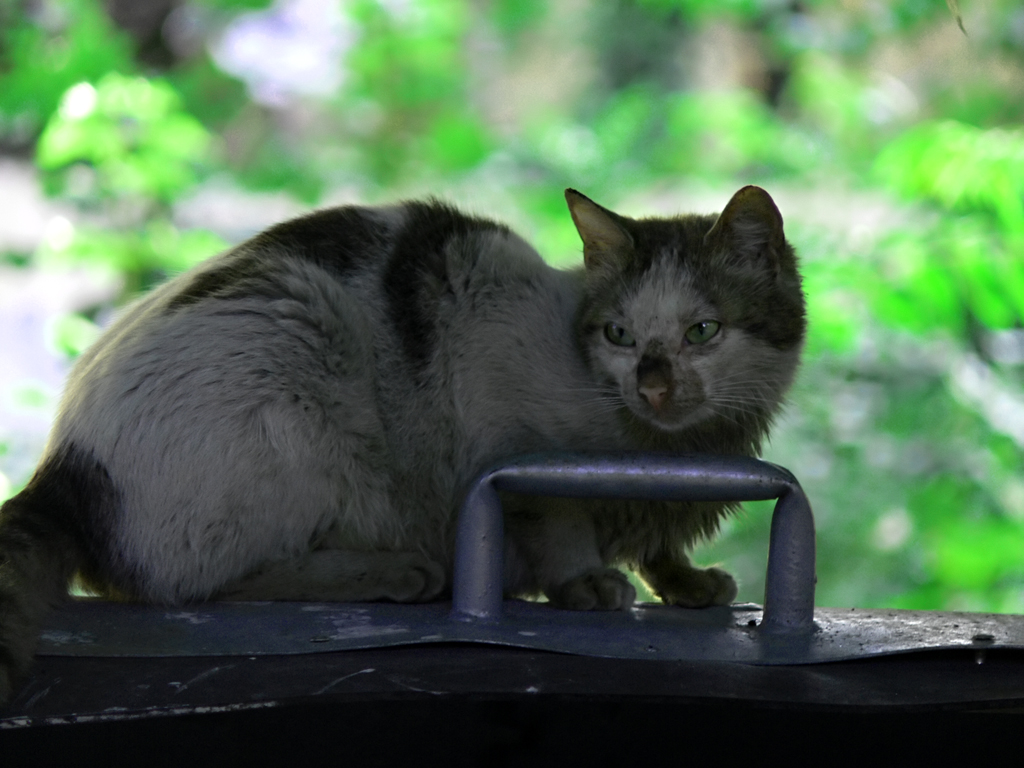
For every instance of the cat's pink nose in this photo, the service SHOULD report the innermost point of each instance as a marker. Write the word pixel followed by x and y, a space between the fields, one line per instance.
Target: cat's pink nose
pixel 655 395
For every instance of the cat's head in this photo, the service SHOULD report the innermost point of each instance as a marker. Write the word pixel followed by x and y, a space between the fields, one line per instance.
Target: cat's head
pixel 695 319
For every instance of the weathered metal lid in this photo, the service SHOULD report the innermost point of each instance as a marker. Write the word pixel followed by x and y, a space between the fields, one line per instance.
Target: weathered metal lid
pixel 733 634
pixel 789 630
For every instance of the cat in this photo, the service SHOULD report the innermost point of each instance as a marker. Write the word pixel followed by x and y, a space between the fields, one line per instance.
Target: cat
pixel 299 417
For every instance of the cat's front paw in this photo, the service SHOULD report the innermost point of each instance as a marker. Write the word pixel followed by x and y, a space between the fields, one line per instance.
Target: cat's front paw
pixel 417 579
pixel 698 588
pixel 604 589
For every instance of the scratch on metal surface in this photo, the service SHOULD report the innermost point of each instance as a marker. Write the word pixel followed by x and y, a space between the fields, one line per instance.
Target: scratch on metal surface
pixel 396 681
pixel 102 717
pixel 40 694
pixel 333 683
pixel 201 676
pixel 364 630
pixel 192 617
pixel 356 623
pixel 61 637
pixel 317 607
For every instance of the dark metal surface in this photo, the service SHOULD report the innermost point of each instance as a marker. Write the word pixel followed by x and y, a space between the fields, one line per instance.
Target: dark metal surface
pixel 789 585
pixel 102 662
pixel 788 631
pixel 65 690
pixel 475 705
pixel 265 671
pixel 648 631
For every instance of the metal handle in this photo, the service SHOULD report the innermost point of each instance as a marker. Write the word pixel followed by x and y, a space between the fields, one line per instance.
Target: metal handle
pixel 789 583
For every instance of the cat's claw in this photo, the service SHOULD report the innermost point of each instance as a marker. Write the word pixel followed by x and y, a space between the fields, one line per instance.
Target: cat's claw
pixel 604 589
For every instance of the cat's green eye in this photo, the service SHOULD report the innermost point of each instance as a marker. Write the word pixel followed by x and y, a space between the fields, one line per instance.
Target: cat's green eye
pixel 700 332
pixel 618 335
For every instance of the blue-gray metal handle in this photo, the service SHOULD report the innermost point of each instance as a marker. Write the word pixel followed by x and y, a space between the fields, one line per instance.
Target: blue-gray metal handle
pixel 789 582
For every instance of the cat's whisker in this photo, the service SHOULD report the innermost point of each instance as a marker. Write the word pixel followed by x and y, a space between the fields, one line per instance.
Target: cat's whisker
pixel 752 402
pixel 731 416
pixel 741 402
pixel 592 391
pixel 747 395
pixel 759 387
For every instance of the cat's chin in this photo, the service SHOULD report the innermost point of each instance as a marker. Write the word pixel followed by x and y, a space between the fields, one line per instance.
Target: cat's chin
pixel 676 421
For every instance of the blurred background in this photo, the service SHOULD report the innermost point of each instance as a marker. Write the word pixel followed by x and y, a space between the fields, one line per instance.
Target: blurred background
pixel 140 136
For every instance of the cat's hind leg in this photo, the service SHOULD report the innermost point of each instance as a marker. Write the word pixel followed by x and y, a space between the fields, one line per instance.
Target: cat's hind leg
pixel 335 575
pixel 678 582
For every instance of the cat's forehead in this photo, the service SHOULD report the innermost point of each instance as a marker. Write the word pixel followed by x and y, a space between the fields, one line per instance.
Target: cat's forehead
pixel 666 291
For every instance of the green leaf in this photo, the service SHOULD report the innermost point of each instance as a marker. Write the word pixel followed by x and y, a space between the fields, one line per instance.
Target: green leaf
pixel 979 553
pixel 135 135
pixel 514 16
pixel 40 60
pixel 961 167
pixel 730 132
pixel 72 334
pixel 458 141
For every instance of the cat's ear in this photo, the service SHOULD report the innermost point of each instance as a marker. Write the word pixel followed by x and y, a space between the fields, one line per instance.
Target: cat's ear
pixel 751 226
pixel 605 240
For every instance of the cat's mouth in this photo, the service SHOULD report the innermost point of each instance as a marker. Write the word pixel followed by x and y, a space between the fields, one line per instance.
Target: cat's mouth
pixel 668 415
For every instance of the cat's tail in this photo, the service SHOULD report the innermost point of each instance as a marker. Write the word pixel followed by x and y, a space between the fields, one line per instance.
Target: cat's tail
pixel 41 548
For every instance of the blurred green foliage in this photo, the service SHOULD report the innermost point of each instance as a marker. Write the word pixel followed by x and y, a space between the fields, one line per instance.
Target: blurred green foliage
pixel 129 134
pixel 126 148
pixel 907 424
pixel 46 50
